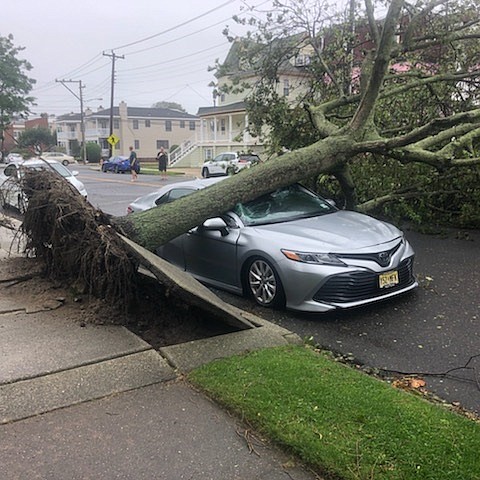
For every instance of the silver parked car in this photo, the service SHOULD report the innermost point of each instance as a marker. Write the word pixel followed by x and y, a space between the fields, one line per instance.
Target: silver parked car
pixel 293 248
pixel 10 191
pixel 169 193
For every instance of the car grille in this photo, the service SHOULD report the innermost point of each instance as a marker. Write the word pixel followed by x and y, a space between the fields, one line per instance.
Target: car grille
pixel 382 258
pixel 355 286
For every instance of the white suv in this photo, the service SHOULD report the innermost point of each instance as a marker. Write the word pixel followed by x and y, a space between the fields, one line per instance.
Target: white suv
pixel 228 163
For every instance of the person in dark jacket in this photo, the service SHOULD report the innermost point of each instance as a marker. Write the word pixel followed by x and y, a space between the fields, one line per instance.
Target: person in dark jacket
pixel 162 163
pixel 133 164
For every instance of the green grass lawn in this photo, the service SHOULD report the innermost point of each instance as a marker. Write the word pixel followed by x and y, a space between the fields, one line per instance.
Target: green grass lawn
pixel 342 422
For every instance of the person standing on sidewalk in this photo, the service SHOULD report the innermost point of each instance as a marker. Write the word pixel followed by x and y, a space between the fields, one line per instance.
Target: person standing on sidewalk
pixel 162 163
pixel 133 163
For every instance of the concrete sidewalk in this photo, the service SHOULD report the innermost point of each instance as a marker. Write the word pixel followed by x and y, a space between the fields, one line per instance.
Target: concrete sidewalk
pixel 83 401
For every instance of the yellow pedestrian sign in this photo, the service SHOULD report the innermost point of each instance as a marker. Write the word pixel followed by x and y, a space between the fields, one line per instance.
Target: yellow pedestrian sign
pixel 113 139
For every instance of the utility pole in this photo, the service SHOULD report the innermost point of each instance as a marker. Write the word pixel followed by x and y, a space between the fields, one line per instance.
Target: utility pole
pixel 113 56
pixel 82 115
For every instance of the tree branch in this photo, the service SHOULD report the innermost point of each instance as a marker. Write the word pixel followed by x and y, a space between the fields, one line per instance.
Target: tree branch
pixel 364 113
pixel 425 136
pixel 372 22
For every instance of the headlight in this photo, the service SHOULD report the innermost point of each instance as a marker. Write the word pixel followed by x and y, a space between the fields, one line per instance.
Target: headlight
pixel 315 258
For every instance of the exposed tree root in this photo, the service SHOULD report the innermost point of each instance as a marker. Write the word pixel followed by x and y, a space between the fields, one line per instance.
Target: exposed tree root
pixel 81 247
pixel 75 240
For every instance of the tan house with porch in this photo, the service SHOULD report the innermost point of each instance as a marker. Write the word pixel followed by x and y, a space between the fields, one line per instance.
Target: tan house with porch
pixel 146 129
pixel 223 127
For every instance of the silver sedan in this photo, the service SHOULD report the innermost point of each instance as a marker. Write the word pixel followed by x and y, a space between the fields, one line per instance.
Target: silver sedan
pixel 292 248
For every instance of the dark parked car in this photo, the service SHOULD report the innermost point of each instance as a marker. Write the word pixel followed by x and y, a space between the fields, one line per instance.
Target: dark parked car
pixel 118 164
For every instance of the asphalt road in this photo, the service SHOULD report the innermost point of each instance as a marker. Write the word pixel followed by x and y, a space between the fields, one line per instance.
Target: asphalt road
pixel 428 332
pixel 432 332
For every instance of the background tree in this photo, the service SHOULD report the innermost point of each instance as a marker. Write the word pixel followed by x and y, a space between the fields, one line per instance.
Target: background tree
pixel 170 105
pixel 433 72
pixel 94 152
pixel 37 140
pixel 14 85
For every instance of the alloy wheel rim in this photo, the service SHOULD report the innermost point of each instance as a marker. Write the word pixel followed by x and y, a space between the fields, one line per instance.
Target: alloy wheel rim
pixel 262 282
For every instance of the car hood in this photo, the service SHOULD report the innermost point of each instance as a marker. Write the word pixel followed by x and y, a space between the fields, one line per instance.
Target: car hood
pixel 338 232
pixel 78 185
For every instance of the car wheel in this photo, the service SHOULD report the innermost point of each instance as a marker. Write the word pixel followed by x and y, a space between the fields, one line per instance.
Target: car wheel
pixel 264 284
pixel 104 168
pixel 205 173
pixel 230 171
pixel 65 162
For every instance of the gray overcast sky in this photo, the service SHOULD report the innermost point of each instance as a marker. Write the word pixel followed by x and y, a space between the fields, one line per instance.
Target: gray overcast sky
pixel 65 39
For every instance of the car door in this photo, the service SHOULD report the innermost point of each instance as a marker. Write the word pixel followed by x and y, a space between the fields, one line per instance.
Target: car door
pixel 210 253
pixel 221 163
pixel 215 165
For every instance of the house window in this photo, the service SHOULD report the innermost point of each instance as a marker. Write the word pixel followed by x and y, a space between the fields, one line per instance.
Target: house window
pixel 286 87
pixel 208 154
pixel 168 125
pixel 135 124
pixel 302 60
pixel 191 125
pixel 136 144
pixel 147 123
pixel 116 124
pixel 222 125
pixel 222 98
pixel 182 123
pixel 162 143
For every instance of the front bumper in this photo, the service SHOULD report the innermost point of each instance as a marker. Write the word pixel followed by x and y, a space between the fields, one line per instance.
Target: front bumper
pixel 341 288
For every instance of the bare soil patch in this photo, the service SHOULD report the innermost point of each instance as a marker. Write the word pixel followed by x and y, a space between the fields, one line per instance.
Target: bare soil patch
pixel 159 319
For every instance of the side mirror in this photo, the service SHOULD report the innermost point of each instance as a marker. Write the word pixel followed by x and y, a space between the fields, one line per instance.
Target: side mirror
pixel 74 173
pixel 216 223
pixel 10 171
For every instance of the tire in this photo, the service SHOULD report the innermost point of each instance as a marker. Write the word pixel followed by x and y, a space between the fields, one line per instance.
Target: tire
pixel 205 173
pixel 65 162
pixel 104 168
pixel 230 171
pixel 263 284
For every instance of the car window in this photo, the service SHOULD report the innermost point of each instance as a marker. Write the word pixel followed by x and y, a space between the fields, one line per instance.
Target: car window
pixel 229 156
pixel 282 205
pixel 249 158
pixel 59 168
pixel 174 194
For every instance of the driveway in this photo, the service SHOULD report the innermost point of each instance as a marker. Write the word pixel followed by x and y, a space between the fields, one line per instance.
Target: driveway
pixel 428 333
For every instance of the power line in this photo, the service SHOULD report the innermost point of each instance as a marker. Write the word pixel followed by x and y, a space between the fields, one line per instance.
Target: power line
pixel 175 27
pixel 178 38
pixel 171 60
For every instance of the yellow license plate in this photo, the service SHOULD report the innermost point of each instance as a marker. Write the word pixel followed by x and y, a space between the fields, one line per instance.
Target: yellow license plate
pixel 388 279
